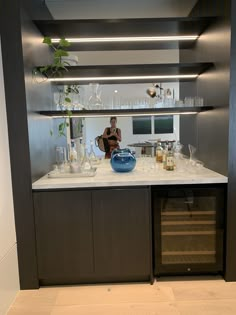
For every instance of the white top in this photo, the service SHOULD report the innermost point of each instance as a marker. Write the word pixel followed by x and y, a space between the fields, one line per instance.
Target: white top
pixel 147 172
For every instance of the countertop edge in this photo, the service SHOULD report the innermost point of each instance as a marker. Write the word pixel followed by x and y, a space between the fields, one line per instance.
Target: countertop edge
pixel 220 180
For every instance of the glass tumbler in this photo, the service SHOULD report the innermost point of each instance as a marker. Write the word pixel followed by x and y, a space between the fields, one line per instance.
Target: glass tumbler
pixel 60 158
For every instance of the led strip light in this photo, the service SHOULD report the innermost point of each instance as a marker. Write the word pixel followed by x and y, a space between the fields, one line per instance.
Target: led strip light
pixel 125 115
pixel 128 39
pixel 124 78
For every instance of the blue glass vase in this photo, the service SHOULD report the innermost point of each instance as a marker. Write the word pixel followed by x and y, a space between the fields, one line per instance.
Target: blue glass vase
pixel 122 160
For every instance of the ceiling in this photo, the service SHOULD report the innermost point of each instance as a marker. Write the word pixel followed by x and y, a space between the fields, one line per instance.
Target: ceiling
pixel 112 9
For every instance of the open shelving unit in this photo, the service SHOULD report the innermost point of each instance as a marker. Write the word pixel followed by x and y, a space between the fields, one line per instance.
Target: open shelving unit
pixel 97 74
pixel 127 112
pixel 126 28
pixel 128 73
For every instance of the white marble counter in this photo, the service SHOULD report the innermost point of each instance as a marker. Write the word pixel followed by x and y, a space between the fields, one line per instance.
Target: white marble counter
pixel 147 172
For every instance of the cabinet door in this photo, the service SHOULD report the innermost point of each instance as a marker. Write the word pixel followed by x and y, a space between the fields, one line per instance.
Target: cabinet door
pixel 122 234
pixel 64 235
pixel 188 229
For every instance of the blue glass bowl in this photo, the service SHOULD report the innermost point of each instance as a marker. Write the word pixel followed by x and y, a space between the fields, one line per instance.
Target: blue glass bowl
pixel 122 160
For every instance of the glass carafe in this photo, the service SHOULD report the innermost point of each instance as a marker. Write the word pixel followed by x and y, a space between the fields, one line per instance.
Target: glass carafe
pixel 92 155
pixel 86 163
pixel 95 101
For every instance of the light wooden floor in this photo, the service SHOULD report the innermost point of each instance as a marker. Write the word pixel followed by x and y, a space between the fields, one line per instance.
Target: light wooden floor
pixel 183 297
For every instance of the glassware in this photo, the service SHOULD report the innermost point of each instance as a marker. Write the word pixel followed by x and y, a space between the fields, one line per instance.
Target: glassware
pixel 122 160
pixel 170 162
pixel 95 101
pixel 92 156
pixel 81 149
pixel 192 153
pixel 86 165
pixel 189 101
pixel 75 166
pixel 198 101
pixel 60 158
pixel 159 152
pixel 165 151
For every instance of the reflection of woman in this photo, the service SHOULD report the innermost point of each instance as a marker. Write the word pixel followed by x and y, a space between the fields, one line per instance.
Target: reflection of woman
pixel 113 135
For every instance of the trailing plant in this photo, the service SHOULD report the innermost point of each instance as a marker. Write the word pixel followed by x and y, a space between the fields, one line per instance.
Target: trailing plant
pixel 58 65
pixel 64 102
pixel 55 69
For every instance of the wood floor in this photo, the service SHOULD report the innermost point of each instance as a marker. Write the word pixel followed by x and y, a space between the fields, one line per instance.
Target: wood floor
pixel 183 297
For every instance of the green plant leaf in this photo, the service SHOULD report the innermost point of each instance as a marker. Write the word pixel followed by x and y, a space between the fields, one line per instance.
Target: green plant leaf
pixel 48 41
pixel 61 126
pixel 51 132
pixel 67 124
pixel 64 43
pixel 44 69
pixel 60 53
pixel 69 113
pixel 67 99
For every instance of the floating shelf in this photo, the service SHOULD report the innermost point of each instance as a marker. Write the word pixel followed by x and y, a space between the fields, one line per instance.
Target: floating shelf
pixel 130 112
pixel 95 74
pixel 126 28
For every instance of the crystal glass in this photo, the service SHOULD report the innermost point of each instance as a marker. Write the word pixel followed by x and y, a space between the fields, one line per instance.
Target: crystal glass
pixel 95 101
pixel 60 158
pixel 192 153
pixel 92 156
pixel 86 163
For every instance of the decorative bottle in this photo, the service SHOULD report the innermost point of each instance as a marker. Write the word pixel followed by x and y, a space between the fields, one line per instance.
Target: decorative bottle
pixel 170 162
pixel 74 161
pixel 159 152
pixel 165 151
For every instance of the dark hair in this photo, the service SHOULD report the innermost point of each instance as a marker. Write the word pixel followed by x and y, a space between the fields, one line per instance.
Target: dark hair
pixel 113 117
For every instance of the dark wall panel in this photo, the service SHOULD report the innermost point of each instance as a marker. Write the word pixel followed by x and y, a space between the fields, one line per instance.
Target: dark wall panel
pixel 13 69
pixel 231 212
pixel 213 86
pixel 39 97
pixel 36 9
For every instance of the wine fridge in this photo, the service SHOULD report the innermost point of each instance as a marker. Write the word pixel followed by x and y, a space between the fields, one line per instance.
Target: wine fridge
pixel 188 227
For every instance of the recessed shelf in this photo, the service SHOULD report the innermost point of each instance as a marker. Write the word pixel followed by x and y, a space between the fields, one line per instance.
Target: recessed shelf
pixel 129 112
pixel 140 73
pixel 186 26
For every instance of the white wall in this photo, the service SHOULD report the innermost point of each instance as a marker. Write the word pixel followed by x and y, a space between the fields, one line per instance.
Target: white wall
pixel 9 278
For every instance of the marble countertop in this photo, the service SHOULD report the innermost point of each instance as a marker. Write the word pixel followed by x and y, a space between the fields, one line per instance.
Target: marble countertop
pixel 146 173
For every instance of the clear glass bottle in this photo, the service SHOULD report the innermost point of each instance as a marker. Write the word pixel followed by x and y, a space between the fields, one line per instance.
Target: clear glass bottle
pixel 159 152
pixel 73 152
pixel 170 161
pixel 74 161
pixel 92 155
pixel 86 163
pixel 81 149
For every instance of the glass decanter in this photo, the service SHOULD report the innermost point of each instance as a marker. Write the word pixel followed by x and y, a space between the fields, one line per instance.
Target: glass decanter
pixel 92 156
pixel 95 101
pixel 86 163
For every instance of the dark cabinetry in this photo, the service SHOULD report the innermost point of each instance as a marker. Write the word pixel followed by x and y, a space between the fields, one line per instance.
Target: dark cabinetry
pixel 64 235
pixel 122 233
pixel 93 235
pixel 188 229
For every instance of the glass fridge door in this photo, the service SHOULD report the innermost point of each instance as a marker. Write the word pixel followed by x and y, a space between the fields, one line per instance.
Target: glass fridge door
pixel 188 229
